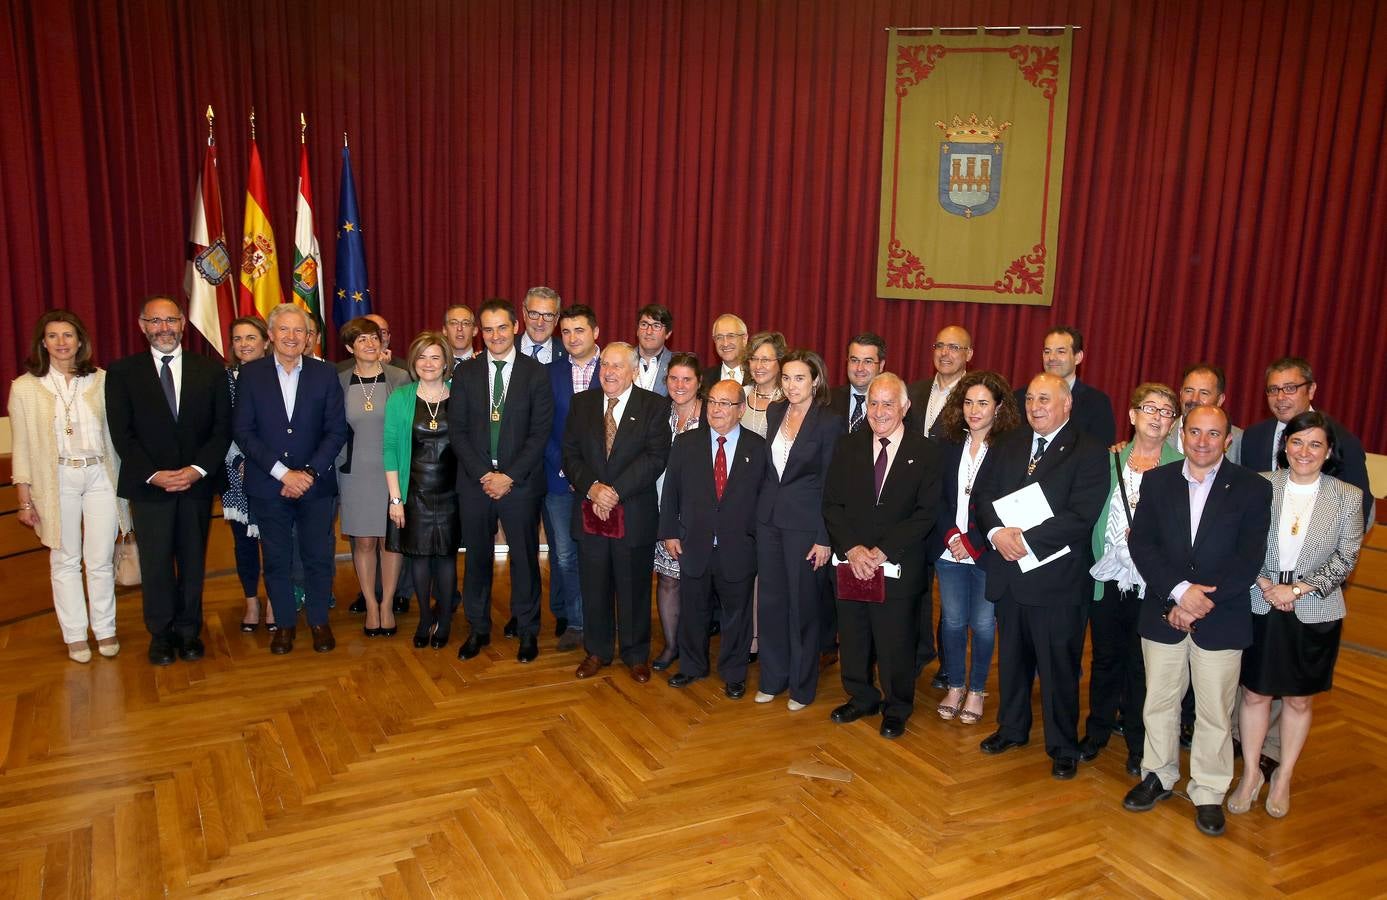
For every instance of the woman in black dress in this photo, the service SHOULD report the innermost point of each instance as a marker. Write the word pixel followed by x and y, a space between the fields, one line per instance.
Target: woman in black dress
pixel 421 474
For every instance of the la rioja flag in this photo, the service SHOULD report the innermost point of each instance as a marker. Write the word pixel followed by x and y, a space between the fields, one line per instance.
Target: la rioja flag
pixel 308 261
pixel 207 278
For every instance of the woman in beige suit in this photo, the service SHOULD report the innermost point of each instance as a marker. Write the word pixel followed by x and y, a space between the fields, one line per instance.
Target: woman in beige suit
pixel 1297 603
pixel 65 474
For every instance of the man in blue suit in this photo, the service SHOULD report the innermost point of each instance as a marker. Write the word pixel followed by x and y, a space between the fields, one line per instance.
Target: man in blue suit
pixel 290 423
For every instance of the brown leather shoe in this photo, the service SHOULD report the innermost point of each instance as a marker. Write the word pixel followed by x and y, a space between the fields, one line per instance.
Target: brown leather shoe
pixel 827 659
pixel 323 641
pixel 588 667
pixel 283 641
pixel 640 673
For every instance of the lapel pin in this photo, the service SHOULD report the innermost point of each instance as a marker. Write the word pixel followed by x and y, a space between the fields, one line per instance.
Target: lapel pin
pixel 910 462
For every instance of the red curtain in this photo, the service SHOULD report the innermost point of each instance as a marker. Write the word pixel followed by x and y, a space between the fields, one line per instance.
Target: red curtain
pixel 1223 197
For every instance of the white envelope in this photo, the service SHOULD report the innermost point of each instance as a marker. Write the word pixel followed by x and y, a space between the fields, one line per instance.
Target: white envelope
pixel 1025 509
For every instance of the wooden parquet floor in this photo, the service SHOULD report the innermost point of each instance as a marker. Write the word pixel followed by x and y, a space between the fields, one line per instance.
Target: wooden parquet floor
pixel 379 770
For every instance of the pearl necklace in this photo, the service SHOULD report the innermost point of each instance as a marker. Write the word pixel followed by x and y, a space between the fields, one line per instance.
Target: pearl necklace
pixel 974 464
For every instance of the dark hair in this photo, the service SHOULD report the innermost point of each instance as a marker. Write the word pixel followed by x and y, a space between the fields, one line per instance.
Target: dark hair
pixel 497 304
pixel 870 339
pixel 1008 414
pixel 356 328
pixel 424 340
pixel 658 313
pixel 1304 422
pixel 579 311
pixel 1216 371
pixel 1075 335
pixel 37 363
pixel 817 371
pixel 232 361
pixel 1291 362
pixel 686 359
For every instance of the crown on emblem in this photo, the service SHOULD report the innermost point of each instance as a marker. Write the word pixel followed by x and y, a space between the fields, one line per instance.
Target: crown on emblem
pixel 973 131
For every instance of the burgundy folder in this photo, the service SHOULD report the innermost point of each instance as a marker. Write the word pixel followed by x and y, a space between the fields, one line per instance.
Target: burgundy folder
pixel 614 527
pixel 850 587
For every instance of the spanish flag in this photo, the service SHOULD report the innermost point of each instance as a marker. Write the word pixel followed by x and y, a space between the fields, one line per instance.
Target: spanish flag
pixel 260 288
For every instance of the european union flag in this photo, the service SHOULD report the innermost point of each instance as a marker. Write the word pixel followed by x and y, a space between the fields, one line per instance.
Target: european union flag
pixel 352 295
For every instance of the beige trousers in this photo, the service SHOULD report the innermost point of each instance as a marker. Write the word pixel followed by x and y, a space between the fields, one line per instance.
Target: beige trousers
pixel 1170 669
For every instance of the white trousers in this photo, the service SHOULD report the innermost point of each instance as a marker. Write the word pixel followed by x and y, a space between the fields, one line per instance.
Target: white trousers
pixel 1170 669
pixel 87 504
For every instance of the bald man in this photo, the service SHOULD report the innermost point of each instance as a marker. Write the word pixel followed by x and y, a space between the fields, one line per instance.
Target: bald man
pixel 729 339
pixel 953 350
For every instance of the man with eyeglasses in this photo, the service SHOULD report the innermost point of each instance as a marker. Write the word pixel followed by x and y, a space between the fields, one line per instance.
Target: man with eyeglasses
pixel 541 311
pixel 460 327
pixel 1290 389
pixel 1062 353
pixel 953 349
pixel 654 325
pixel 729 339
pixel 1202 384
pixel 866 360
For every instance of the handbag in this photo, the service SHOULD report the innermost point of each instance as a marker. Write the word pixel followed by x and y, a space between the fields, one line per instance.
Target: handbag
pixel 127 560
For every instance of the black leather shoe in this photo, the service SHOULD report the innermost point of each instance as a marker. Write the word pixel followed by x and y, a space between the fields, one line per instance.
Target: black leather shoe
pixel 1145 795
pixel 714 628
pixel 681 680
pixel 734 690
pixel 359 606
pixel 401 604
pixel 892 727
pixel 191 649
pixel 512 628
pixel 1209 819
pixel 939 682
pixel 849 713
pixel 473 645
pixel 440 638
pixel 1064 767
pixel 663 662
pixel 161 651
pixel 1186 735
pixel 995 743
pixel 421 638
pixel 283 641
pixel 1134 764
pixel 1089 748
pixel 560 626
pixel 529 649
pixel 1120 728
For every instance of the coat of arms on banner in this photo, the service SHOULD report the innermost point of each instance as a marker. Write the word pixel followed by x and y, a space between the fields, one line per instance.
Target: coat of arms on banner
pixel 970 166
pixel 214 263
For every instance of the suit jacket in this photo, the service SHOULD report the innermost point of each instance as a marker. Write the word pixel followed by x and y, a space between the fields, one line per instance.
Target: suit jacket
pixel 918 392
pixel 638 457
pixel 974 541
pixel 713 374
pixel 1092 411
pixel 1226 553
pixel 526 415
pixel 661 370
pixel 1353 468
pixel 1235 449
pixel 901 520
pixel 840 403
pixel 561 385
pixel 556 348
pixel 148 437
pixel 795 499
pixel 1333 538
pixel 1073 477
pixel 691 511
pixel 266 435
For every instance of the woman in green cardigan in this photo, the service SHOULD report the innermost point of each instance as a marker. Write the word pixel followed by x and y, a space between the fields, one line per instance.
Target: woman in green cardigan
pixel 1118 679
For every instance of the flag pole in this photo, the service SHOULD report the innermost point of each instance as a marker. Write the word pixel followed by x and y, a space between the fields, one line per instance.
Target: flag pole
pixel 252 123
pixel 344 140
pixel 303 129
pixel 211 142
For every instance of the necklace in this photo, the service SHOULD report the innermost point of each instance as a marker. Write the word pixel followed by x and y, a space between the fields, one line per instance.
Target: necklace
pixel 974 464
pixel 433 409
pixel 368 392
pixel 68 400
pixel 1133 481
pixel 1299 510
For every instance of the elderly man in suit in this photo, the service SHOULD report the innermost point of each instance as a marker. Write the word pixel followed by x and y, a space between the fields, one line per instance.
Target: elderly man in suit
pixel 1199 538
pixel 290 423
pixel 499 415
pixel 1042 598
pixel 729 339
pixel 953 350
pixel 881 500
pixel 1062 354
pixel 654 325
pixel 615 445
pixel 708 523
pixel 170 417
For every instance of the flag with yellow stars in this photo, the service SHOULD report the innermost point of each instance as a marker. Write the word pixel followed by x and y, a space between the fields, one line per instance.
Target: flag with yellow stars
pixel 351 293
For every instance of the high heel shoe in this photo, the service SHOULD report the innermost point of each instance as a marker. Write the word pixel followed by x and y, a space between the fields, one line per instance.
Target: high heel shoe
pixel 371 632
pixel 968 716
pixel 948 711
pixel 664 660
pixel 1238 807
pixel 388 632
pixel 1274 810
pixel 421 636
pixel 440 638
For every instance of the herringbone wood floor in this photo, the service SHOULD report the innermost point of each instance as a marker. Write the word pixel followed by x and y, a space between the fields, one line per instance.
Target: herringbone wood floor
pixel 380 770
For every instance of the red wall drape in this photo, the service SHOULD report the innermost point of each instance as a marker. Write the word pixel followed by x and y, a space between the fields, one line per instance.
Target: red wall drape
pixel 1223 197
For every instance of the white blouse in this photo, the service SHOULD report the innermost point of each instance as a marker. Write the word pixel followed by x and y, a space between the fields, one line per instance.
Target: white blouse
pixel 1296 506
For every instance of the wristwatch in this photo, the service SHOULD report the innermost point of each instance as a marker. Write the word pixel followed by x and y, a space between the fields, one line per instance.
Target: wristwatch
pixel 1295 589
pixel 312 472
pixel 396 501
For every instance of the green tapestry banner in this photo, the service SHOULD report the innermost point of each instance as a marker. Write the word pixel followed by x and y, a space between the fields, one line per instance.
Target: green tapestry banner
pixel 971 166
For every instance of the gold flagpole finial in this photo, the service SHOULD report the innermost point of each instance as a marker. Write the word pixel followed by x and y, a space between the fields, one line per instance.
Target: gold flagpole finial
pixel 303 129
pixel 210 140
pixel 344 139
pixel 252 123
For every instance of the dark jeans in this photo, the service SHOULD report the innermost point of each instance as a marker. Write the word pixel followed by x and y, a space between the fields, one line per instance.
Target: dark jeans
pixel 565 590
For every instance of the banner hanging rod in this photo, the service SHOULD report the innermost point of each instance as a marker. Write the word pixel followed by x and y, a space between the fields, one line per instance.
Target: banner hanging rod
pixel 963 29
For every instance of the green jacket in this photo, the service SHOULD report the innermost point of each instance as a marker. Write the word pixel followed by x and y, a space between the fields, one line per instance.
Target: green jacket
pixel 398 440
pixel 1100 529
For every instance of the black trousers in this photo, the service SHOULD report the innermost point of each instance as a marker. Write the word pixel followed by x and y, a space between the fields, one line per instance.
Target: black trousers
pixel 698 597
pixel 789 641
pixel 926 649
pixel 247 557
pixel 1117 677
pixel 172 539
pixel 519 515
pixel 1047 641
pixel 615 577
pixel 889 630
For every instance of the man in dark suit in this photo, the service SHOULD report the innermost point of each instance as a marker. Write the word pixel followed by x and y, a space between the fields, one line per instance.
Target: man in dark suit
pixel 499 415
pixel 1198 539
pixel 1290 389
pixel 881 500
pixel 1041 609
pixel 729 339
pixel 615 445
pixel 953 350
pixel 1204 384
pixel 170 417
pixel 654 325
pixel 1064 350
pixel 290 423
pixel 460 327
pixel 708 523
pixel 541 311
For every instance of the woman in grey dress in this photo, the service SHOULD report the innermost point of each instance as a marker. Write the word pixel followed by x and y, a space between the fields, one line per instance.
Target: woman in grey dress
pixel 361 470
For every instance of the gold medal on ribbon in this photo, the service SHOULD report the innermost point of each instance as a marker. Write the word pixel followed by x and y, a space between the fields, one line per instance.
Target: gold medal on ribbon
pixel 495 415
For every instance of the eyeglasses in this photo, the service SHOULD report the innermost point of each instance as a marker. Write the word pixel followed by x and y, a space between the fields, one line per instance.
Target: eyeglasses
pixel 536 316
pixel 723 404
pixel 723 338
pixel 649 326
pixel 862 360
pixel 1152 409
pixel 1287 389
pixel 454 323
pixel 160 323
pixel 952 348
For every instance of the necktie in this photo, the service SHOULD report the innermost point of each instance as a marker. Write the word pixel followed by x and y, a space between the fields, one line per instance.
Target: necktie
pixel 498 398
pixel 166 379
pixel 855 420
pixel 720 468
pixel 1035 459
pixel 880 472
pixel 611 423
pixel 534 350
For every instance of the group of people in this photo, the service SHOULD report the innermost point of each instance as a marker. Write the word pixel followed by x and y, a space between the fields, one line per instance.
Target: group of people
pixel 803 523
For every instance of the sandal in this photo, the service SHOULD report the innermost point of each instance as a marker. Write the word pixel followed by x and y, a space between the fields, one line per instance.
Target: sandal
pixel 248 627
pixel 968 716
pixel 948 710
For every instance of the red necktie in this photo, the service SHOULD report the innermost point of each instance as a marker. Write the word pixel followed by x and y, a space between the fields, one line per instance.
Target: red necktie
pixel 720 468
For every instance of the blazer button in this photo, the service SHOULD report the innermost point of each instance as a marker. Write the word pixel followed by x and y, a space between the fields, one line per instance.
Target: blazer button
pixel 290 430
pixel 286 454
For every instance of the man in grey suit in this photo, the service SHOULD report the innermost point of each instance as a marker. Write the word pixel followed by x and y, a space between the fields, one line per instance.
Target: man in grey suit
pixel 654 325
pixel 1203 384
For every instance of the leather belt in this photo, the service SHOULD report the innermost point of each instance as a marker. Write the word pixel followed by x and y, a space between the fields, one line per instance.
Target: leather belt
pixel 78 462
